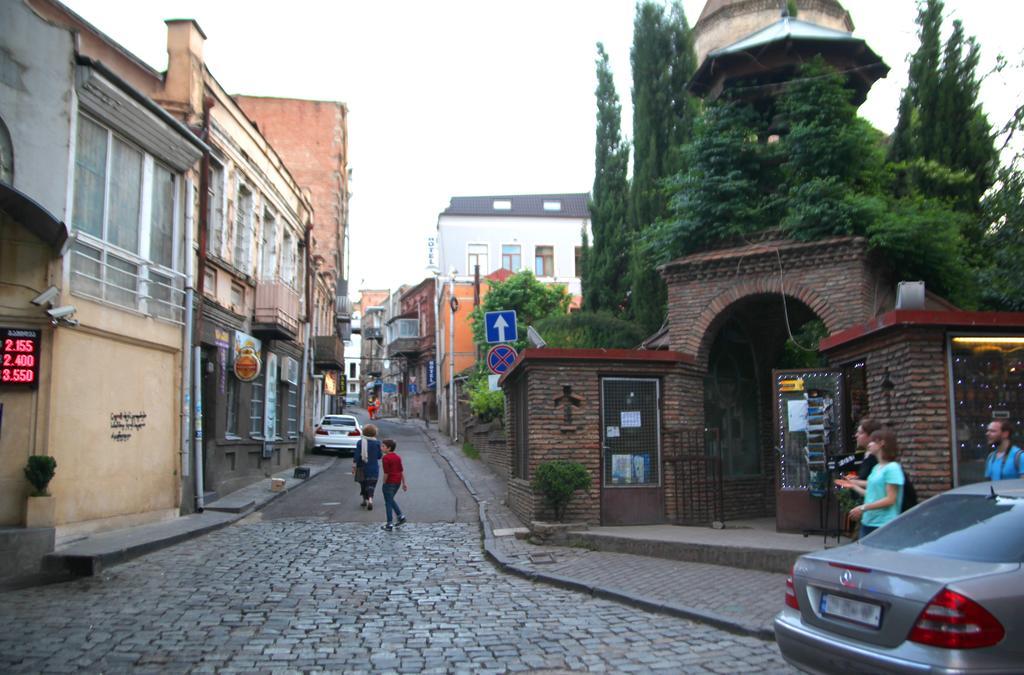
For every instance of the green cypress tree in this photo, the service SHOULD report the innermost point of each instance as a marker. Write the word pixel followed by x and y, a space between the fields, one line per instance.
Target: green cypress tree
pixel 605 262
pixel 663 61
pixel 919 103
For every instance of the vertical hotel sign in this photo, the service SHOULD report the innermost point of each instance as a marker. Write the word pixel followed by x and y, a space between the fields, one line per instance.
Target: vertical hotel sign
pixel 246 357
pixel 432 252
pixel 19 357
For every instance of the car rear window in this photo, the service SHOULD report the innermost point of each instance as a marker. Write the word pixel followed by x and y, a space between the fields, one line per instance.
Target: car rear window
pixel 964 527
pixel 340 421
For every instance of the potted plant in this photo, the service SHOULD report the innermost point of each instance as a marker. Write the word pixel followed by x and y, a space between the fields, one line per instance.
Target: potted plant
pixel 40 508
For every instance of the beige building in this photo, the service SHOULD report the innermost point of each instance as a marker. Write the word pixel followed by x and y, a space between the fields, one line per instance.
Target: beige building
pixel 94 238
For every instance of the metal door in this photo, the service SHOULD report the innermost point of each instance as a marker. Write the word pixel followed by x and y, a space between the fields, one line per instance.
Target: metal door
pixel 631 491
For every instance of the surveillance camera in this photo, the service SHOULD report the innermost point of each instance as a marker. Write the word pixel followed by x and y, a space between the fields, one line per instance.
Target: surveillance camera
pixel 46 297
pixel 61 312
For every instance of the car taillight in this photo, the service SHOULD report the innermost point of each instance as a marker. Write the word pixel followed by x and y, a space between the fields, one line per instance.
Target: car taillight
pixel 791 591
pixel 953 621
pixel 320 431
pixel 354 432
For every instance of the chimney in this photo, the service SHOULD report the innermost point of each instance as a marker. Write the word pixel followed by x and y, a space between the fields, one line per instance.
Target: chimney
pixel 183 84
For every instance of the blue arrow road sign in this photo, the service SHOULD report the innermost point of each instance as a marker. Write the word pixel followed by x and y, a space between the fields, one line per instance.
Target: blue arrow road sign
pixel 500 359
pixel 501 326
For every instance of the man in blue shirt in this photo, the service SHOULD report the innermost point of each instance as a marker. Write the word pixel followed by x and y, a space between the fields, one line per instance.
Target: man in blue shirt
pixel 1005 461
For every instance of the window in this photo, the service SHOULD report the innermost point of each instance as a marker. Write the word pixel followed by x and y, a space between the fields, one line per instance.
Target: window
pixel 215 210
pixel 210 282
pixel 352 370
pixel 511 257
pixel 125 217
pixel 238 298
pixel 231 403
pixel 544 261
pixel 268 269
pixel 270 428
pixel 502 204
pixel 291 414
pixel 552 205
pixel 243 228
pixel 256 409
pixel 403 328
pixel 477 256
pixel 6 155
pixel 578 262
pixel 288 260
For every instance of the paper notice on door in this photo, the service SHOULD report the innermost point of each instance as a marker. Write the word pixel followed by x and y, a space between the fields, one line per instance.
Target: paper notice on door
pixel 611 432
pixel 797 415
pixel 622 468
pixel 630 419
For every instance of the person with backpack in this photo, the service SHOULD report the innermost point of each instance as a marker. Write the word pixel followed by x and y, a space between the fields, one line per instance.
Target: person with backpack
pixel 1004 462
pixel 883 496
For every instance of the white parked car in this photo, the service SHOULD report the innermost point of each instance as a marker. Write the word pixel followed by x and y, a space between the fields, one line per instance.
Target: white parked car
pixel 337 434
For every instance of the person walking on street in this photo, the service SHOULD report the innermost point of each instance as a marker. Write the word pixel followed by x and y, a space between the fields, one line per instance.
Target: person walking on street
pixel 1005 460
pixel 884 492
pixel 366 461
pixel 394 477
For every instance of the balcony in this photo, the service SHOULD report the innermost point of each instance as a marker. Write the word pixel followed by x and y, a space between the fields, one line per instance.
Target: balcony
pixel 408 346
pixel 328 353
pixel 277 311
pixel 371 333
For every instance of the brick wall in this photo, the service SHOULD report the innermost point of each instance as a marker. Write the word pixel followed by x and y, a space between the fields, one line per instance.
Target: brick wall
pixel 490 441
pixel 918 405
pixel 312 139
pixel 550 438
pixel 837 279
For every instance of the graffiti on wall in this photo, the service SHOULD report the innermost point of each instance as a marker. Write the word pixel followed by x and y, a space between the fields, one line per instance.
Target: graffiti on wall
pixel 122 424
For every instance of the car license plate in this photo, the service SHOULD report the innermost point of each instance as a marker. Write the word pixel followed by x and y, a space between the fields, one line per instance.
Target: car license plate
pixel 865 613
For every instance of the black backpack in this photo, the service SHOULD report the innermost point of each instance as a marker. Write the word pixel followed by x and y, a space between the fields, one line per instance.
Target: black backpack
pixel 909 493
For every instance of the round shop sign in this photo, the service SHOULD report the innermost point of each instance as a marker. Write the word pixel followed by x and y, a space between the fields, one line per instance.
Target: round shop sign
pixel 247 364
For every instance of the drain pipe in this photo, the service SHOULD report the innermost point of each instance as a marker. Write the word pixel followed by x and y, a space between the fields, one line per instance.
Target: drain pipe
pixel 186 347
pixel 197 391
pixel 306 366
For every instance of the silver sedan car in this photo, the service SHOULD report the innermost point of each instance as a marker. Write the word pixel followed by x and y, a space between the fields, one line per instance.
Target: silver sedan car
pixel 940 589
pixel 337 434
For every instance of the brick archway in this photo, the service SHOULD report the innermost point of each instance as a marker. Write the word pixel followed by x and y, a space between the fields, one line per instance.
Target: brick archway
pixel 701 334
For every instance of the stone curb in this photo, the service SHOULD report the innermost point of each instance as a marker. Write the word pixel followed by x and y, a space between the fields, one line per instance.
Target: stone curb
pixel 509 566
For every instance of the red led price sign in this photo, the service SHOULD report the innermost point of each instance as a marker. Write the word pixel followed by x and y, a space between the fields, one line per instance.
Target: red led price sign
pixel 19 357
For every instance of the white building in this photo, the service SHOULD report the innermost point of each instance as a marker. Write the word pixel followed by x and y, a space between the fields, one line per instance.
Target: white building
pixel 353 351
pixel 540 233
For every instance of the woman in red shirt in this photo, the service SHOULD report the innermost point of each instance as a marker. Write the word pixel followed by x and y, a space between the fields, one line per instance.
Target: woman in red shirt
pixel 393 477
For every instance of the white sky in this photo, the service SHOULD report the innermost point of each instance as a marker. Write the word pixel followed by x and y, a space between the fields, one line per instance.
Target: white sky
pixel 476 97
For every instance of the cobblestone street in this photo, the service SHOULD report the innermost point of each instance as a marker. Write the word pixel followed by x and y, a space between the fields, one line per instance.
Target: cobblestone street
pixel 309 594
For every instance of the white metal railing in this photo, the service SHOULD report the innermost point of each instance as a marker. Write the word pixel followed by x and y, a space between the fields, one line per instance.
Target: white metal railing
pixel 117 277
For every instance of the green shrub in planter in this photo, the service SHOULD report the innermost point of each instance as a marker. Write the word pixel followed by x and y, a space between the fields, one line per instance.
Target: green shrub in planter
pixel 39 472
pixel 557 481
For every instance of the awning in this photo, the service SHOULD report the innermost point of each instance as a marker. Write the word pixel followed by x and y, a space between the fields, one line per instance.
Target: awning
pixel 33 216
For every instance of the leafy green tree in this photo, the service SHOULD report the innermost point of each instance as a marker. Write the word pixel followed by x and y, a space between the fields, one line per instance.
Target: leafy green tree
pixel 605 261
pixel 587 330
pixel 1000 276
pixel 531 299
pixel 663 61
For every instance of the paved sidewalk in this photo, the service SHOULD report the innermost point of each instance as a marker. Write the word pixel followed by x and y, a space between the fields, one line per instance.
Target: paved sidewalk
pixel 87 555
pixel 743 601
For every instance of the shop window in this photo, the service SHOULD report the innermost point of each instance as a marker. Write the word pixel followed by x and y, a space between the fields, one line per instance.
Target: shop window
pixel 511 257
pixel 988 384
pixel 125 221
pixel 544 261
pixel 256 409
pixel 292 411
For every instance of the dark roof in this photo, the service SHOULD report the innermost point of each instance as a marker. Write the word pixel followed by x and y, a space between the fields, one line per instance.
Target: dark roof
pixel 573 206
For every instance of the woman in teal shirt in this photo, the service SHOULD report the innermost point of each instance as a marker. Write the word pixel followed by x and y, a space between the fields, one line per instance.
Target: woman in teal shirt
pixel 883 493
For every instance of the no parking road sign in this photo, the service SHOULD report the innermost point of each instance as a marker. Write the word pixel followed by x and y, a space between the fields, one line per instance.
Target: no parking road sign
pixel 500 359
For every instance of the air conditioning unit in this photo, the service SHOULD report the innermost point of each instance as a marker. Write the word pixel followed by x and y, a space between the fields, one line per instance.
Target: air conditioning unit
pixel 910 295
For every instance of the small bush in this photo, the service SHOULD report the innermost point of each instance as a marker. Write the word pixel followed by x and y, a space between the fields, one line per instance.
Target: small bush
pixel 589 330
pixel 487 405
pixel 557 481
pixel 469 451
pixel 39 472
